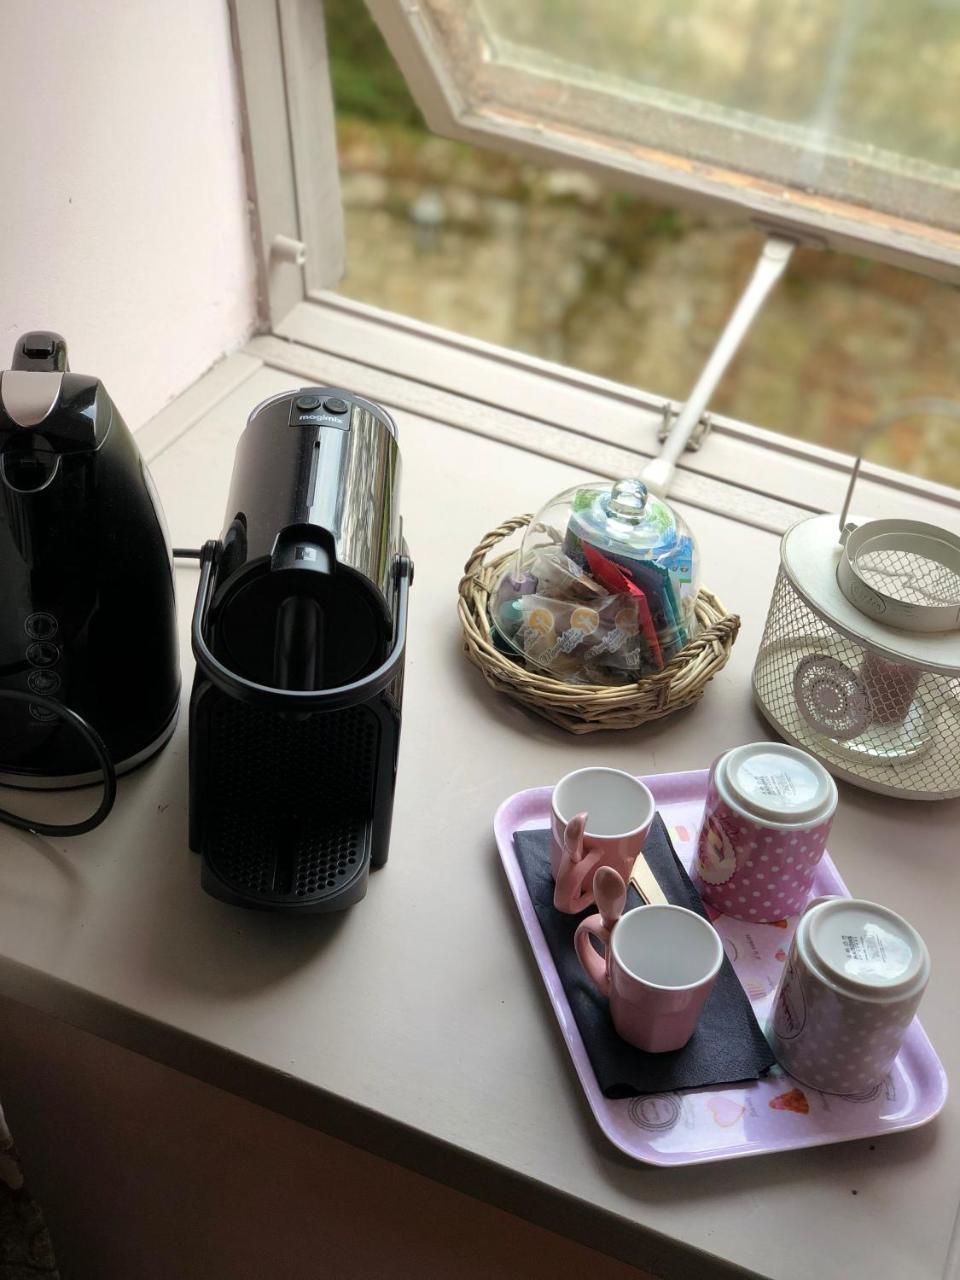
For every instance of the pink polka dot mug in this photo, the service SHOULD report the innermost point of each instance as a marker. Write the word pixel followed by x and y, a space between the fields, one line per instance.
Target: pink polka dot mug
pixel 765 825
pixel 849 990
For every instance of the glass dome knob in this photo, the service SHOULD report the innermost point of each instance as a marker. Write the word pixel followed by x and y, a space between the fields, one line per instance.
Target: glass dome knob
pixel 628 500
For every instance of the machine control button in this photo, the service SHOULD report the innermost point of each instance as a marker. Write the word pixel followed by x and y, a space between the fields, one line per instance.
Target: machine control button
pixel 306 403
pixel 43 714
pixel 43 681
pixel 42 653
pixel 41 626
pixel 335 405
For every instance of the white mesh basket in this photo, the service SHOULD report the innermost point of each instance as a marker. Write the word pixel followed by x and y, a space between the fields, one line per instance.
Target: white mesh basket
pixel 860 658
pixel 883 721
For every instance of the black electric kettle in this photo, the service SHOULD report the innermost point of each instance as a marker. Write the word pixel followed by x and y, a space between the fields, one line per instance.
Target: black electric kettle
pixel 89 669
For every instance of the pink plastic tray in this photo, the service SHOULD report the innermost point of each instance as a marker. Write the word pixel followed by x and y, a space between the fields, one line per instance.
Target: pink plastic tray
pixel 774 1114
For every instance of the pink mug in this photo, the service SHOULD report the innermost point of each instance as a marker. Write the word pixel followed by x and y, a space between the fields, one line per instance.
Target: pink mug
pixel 658 968
pixel 767 817
pixel 598 817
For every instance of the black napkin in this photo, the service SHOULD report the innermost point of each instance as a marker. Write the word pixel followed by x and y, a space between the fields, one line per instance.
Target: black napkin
pixel 727 1045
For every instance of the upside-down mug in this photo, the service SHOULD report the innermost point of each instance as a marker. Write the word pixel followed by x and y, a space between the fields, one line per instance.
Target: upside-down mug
pixel 768 813
pixel 848 992
pixel 598 817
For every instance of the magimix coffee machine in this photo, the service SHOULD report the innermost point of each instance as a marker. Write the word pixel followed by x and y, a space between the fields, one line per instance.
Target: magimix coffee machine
pixel 299 634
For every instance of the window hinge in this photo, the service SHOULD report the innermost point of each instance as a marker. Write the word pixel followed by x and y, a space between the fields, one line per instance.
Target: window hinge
pixel 697 436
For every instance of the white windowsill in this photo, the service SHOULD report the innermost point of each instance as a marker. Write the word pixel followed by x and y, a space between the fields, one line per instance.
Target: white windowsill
pixel 760 464
pixel 415 1026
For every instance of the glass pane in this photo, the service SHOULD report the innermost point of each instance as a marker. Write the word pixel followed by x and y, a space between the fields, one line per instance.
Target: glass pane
pixel 549 261
pixel 852 99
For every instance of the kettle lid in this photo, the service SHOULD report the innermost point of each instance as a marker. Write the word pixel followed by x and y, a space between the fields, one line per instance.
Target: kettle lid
pixel 46 408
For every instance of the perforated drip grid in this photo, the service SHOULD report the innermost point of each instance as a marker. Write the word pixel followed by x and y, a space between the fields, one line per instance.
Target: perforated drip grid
pixel 908 576
pixel 290 806
pixel 883 723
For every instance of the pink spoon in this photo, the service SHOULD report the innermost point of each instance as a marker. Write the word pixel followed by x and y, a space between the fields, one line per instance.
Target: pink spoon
pixel 610 894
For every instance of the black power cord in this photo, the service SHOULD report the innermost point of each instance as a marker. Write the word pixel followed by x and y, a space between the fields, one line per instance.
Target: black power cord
pixel 98 749
pixel 93 740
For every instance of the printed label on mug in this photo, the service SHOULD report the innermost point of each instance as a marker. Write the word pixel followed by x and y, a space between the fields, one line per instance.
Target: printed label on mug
pixel 764 777
pixel 875 954
pixel 775 784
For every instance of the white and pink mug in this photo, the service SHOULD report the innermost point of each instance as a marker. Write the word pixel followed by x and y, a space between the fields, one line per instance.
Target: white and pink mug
pixel 658 966
pixel 768 813
pixel 849 990
pixel 598 817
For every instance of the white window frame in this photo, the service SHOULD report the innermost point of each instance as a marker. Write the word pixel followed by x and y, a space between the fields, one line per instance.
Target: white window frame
pixel 759 476
pixel 654 174
pixel 290 147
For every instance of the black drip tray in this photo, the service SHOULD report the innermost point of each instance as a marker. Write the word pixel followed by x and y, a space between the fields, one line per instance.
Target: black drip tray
pixel 288 803
pixel 294 861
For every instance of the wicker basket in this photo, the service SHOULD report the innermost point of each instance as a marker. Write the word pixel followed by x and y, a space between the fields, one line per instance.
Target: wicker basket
pixel 585 708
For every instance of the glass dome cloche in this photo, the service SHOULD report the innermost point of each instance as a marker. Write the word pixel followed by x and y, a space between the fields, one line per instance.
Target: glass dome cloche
pixel 603 588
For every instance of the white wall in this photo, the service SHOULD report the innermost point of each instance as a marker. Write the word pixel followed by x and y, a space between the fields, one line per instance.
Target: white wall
pixel 123 214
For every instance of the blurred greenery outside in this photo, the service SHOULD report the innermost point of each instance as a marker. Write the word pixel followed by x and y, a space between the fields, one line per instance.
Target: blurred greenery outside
pixel 547 261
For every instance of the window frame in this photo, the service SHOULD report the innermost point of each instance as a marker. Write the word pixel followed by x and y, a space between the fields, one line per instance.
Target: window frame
pixel 653 174
pixel 290 145
pixel 290 149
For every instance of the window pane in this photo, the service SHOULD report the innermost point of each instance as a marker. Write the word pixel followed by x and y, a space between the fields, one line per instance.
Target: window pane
pixel 549 261
pixel 850 99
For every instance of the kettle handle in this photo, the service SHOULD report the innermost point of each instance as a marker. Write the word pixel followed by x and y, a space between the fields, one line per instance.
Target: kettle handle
pixel 300 700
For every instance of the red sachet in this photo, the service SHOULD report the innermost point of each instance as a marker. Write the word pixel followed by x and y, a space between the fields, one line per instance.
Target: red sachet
pixel 612 577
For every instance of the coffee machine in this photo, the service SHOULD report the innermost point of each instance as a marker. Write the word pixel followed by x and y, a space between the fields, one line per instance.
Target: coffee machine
pixel 89 664
pixel 299 633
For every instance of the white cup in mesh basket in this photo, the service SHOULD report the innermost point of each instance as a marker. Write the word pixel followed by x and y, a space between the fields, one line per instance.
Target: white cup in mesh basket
pixel 860 658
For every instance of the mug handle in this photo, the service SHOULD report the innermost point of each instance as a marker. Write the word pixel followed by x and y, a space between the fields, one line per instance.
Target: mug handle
pixel 584 896
pixel 594 965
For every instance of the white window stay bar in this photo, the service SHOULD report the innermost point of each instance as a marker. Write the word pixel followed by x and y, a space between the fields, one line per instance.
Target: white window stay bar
pixel 772 263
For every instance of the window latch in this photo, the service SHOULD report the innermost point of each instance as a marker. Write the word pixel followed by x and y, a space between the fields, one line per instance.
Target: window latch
pixel 286 249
